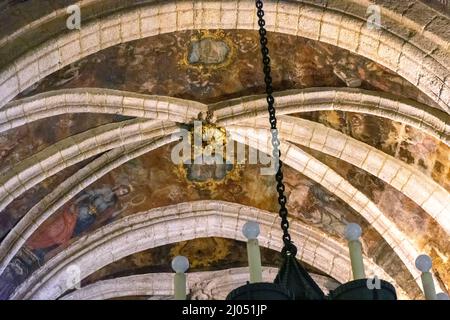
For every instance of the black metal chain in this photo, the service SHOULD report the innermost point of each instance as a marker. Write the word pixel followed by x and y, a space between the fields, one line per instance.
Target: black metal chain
pixel 289 248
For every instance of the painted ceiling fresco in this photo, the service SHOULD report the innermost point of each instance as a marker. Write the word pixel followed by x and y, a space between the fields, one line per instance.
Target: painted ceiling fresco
pixel 210 66
pixel 401 141
pixel 21 143
pixel 152 181
pixel 166 65
pixel 206 254
pixel 408 216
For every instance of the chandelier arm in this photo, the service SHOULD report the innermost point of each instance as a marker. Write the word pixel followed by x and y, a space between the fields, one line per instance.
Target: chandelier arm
pixel 289 247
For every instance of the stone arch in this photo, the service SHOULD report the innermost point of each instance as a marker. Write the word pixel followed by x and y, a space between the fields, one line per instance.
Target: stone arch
pixel 74 149
pixel 179 223
pixel 302 162
pixel 96 100
pixel 430 73
pixel 47 206
pixel 336 184
pixel 419 116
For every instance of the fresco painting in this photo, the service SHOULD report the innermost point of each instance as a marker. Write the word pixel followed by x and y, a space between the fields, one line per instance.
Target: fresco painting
pixel 404 212
pixel 297 63
pixel 152 181
pixel 426 153
pixel 210 66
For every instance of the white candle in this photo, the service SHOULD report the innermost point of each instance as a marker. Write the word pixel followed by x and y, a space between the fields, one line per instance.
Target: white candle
pixel 424 264
pixel 180 265
pixel 352 234
pixel 251 232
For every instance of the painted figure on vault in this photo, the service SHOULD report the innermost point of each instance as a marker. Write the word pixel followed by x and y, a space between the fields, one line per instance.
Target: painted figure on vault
pixel 20 267
pixel 92 208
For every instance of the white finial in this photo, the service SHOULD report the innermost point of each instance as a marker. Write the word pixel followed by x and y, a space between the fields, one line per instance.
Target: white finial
pixel 251 230
pixel 423 263
pixel 352 231
pixel 180 264
pixel 442 296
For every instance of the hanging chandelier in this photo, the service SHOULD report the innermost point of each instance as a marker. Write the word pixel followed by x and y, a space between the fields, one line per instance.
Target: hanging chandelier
pixel 292 281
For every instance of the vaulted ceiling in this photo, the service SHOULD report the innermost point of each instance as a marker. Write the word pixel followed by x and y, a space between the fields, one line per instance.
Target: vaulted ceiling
pixel 87 124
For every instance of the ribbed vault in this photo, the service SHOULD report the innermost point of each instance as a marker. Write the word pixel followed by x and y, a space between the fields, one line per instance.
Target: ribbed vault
pixel 300 161
pixel 421 188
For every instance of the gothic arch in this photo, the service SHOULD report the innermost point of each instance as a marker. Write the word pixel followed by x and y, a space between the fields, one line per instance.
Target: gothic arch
pixel 179 223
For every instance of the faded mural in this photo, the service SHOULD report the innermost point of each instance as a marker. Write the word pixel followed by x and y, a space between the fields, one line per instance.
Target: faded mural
pixel 408 216
pixel 210 66
pixel 426 153
pixel 152 181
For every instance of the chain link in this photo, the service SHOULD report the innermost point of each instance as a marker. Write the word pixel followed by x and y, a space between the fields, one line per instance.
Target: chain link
pixel 289 247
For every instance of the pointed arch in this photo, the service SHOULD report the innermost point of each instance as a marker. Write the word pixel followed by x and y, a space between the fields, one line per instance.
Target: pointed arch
pixel 183 222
